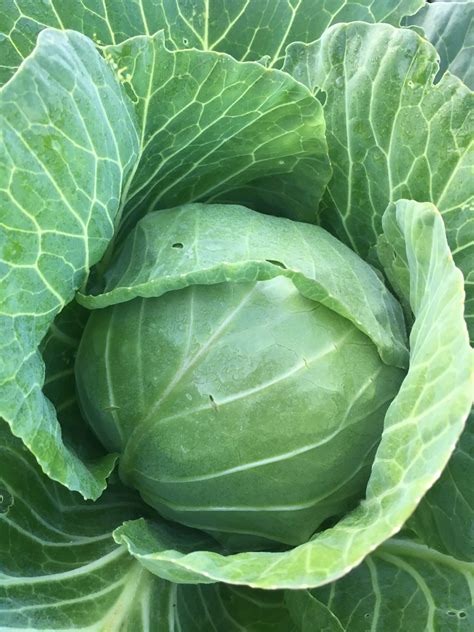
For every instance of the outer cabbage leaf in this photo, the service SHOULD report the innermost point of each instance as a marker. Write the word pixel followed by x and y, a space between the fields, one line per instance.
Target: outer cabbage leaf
pixel 246 29
pixel 59 566
pixel 209 124
pixel 307 612
pixel 445 517
pixel 421 428
pixel 224 608
pixel 402 587
pixel 392 133
pixel 231 243
pixel 67 143
pixel 449 26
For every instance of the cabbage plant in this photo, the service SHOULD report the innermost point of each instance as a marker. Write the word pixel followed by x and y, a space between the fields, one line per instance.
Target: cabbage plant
pixel 236 299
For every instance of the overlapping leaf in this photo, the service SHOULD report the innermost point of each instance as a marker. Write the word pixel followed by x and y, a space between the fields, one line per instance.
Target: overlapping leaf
pixel 231 243
pixel 67 142
pixel 246 29
pixel 67 573
pixel 79 579
pixel 58 349
pixel 421 427
pixel 391 134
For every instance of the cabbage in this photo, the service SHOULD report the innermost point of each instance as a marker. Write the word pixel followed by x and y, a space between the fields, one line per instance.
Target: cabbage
pixel 236 291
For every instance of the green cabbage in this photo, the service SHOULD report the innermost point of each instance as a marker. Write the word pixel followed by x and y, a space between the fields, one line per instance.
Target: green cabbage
pixel 236 294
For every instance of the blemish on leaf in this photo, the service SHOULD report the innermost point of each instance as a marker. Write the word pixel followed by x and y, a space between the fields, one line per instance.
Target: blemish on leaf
pixel 213 403
pixel 6 501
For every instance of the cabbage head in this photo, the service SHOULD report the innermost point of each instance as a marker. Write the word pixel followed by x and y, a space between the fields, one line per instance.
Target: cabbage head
pixel 244 408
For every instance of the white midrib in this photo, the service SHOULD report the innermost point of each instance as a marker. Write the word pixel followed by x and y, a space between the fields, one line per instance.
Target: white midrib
pixel 59 577
pixel 119 612
pixel 117 615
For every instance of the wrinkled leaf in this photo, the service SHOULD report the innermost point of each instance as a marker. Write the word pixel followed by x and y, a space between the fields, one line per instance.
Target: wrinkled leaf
pixel 209 124
pixel 247 29
pixel 391 134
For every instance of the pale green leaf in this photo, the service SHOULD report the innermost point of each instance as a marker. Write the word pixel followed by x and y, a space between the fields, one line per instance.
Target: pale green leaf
pixel 286 344
pixel 67 141
pixel 421 428
pixel 445 517
pixel 392 133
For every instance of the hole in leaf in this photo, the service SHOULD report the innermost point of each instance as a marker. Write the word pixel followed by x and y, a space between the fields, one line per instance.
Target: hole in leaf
pixel 451 613
pixel 185 41
pixel 276 263
pixel 178 245
pixel 462 614
pixel 321 96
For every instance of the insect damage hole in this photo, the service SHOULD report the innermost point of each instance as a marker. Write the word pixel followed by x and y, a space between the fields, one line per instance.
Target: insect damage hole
pixel 178 245
pixel 276 263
